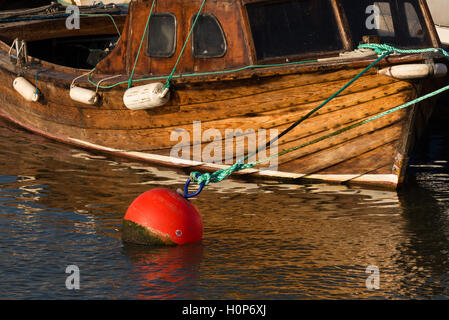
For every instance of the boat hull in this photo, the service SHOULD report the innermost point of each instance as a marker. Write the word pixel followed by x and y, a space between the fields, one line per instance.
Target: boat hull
pixel 373 154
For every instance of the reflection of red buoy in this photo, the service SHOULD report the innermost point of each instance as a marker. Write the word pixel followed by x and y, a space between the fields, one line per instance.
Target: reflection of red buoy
pixel 162 217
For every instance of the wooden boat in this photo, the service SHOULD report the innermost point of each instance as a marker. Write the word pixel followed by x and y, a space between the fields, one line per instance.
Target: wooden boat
pixel 249 65
pixel 439 10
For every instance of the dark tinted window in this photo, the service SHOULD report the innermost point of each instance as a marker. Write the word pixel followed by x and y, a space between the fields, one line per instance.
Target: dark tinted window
pixel 162 35
pixel 208 40
pixel 396 22
pixel 285 28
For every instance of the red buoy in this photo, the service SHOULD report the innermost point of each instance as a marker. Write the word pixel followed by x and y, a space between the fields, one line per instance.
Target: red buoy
pixel 162 217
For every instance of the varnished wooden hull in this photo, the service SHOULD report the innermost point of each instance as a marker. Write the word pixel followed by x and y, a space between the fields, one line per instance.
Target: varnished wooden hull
pixel 375 153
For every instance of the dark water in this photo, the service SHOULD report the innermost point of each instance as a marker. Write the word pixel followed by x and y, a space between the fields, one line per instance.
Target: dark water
pixel 63 206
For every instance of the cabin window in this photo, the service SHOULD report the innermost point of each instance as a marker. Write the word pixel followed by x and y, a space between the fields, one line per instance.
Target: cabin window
pixel 395 22
pixel 208 39
pixel 295 27
pixel 414 27
pixel 161 40
pixel 381 19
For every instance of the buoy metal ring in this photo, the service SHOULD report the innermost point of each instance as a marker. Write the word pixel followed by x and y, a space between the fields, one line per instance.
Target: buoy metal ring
pixel 186 189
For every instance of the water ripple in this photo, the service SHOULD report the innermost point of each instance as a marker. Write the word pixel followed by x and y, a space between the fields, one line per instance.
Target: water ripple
pixel 262 240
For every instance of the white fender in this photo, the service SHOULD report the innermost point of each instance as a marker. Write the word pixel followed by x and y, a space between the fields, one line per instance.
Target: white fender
pixel 146 97
pixel 415 71
pixel 26 89
pixel 83 95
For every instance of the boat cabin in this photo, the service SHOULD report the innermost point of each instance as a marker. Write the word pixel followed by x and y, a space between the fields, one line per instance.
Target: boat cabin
pixel 234 33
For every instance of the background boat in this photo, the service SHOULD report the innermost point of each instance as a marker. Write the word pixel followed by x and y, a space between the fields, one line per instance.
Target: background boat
pixel 90 2
pixel 440 14
pixel 22 4
pixel 26 4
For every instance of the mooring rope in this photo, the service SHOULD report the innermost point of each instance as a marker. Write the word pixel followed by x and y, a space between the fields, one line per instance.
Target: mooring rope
pixel 211 73
pixel 381 49
pixel 103 15
pixel 239 165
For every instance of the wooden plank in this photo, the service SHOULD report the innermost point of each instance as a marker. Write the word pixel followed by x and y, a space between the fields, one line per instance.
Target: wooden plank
pixel 106 123
pixel 55 28
pixel 370 138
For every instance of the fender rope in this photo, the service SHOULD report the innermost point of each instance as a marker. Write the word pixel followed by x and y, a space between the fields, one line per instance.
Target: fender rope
pixel 167 85
pixel 130 80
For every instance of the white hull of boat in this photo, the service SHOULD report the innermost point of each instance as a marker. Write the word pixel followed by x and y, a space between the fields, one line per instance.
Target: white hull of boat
pixel 443 33
pixel 439 10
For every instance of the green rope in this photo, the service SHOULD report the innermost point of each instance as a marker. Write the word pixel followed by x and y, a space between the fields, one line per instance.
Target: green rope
pixel 130 81
pixel 220 175
pixel 383 50
pixel 171 75
pixel 65 3
pixel 380 49
pixel 103 15
pixel 167 85
pixel 239 165
pixel 358 124
pixel 203 73
pixel 310 113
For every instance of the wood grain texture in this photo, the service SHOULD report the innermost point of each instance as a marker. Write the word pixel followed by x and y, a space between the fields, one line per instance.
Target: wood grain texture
pixel 272 103
pixel 225 11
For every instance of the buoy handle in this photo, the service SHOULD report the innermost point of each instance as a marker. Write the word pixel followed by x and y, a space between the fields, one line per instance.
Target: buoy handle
pixel 186 189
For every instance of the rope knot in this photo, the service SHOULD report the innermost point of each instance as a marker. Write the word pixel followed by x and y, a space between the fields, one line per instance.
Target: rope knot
pixel 200 178
pixel 220 175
